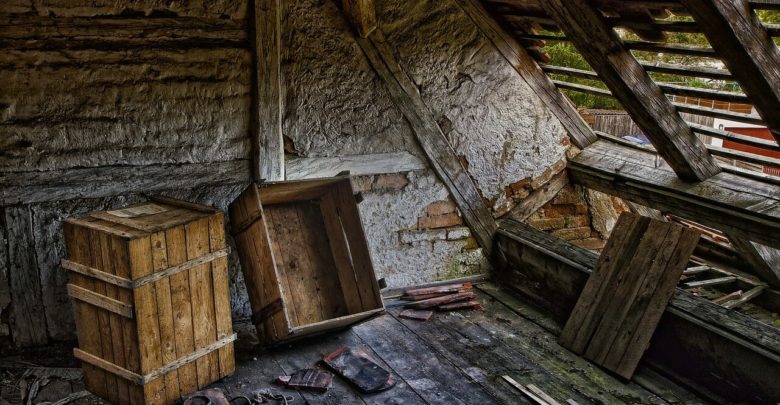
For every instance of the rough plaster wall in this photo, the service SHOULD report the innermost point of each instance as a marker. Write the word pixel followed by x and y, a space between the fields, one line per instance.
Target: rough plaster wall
pixel 404 255
pixel 335 103
pixel 489 114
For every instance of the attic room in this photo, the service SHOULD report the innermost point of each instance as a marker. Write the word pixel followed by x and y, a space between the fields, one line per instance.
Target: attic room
pixel 389 201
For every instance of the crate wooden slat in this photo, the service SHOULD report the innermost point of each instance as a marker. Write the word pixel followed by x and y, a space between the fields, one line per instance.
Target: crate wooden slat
pixel 305 257
pixel 150 292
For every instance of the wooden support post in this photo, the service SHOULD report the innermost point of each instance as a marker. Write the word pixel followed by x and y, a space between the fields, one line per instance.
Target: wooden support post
pixel 580 132
pixel 361 14
pixel 746 48
pixel 267 142
pixel 764 260
pixel 588 30
pixel 440 154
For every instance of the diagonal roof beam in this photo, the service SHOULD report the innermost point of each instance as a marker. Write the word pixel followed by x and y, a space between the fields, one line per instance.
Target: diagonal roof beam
pixel 751 56
pixel 598 43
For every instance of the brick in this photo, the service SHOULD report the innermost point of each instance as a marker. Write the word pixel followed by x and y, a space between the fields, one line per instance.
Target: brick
pixel 577 221
pixel 568 195
pixel 572 233
pixel 441 208
pixel 547 223
pixel 439 221
pixel 362 183
pixel 390 181
pixel 410 237
pixel 581 209
pixel 560 211
pixel 590 243
pixel 548 174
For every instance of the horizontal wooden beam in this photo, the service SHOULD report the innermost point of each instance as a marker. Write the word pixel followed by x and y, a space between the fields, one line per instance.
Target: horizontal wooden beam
pixel 726 202
pixel 97 182
pixel 357 165
pixel 694 334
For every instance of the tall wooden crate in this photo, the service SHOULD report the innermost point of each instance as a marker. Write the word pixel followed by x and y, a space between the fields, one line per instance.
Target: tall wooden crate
pixel 305 257
pixel 149 286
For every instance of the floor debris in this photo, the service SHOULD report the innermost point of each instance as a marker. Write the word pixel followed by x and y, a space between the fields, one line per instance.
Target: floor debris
pixel 359 369
pixel 311 379
pixel 211 396
pixel 460 305
pixel 416 314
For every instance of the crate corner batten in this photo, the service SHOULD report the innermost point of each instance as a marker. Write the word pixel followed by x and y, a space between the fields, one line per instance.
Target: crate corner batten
pixel 149 286
pixel 305 257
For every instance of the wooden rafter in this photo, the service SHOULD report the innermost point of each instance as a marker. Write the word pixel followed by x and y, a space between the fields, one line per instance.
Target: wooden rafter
pixel 763 260
pixel 361 14
pixel 628 81
pixel 745 47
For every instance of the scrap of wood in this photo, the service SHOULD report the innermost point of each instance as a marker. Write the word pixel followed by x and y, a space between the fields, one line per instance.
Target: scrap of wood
pixel 695 270
pixel 753 293
pixel 710 282
pixel 541 394
pixel 524 390
pixel 447 299
pixel 426 296
pixel 460 305
pixel 416 314
pixel 450 288
pixel 727 297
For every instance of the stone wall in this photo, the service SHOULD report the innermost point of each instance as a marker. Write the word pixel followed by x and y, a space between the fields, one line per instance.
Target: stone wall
pixel 104 101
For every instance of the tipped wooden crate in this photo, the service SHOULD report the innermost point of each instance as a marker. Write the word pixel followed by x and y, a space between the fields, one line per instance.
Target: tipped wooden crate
pixel 150 292
pixel 305 258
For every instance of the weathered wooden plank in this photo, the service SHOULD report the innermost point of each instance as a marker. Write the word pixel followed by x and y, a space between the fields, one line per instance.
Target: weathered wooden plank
pixel 357 165
pixel 693 334
pixel 726 202
pixel 529 70
pixel 266 116
pixel 28 325
pixel 440 153
pixel 361 14
pixel 735 32
pixel 539 197
pixel 631 85
pixel 97 182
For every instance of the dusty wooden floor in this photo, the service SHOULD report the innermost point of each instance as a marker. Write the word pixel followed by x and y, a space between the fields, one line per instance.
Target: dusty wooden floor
pixel 454 358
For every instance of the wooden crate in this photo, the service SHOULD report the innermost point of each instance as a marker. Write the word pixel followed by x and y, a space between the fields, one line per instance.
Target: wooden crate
pixel 304 257
pixel 150 292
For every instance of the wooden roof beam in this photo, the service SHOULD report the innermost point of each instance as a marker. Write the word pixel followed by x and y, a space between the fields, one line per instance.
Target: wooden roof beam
pixel 592 35
pixel 751 56
pixel 361 14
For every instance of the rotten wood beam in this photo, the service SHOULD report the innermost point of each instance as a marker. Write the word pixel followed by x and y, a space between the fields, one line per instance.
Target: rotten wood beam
pixel 441 155
pixel 744 45
pixel 268 145
pixel 764 260
pixel 526 66
pixel 628 81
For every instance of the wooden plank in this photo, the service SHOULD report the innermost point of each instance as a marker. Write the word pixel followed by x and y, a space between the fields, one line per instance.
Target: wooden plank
pixel 268 145
pixel 95 273
pixel 162 288
pixel 197 234
pixel 441 155
pixel 28 324
pixel 115 320
pixel 341 255
pixel 222 309
pixel 103 302
pixel 764 260
pixel 631 85
pixel 107 366
pixel 181 303
pixel 298 168
pixel 710 282
pixel 172 270
pixel 727 202
pixel 753 293
pixel 130 356
pixel 743 44
pixel 539 197
pixel 361 14
pixel 140 253
pixel 529 70
pixel 97 182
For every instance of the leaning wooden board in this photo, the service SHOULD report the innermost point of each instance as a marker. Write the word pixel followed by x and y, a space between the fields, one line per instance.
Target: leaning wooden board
pixel 624 298
pixel 150 293
pixel 304 256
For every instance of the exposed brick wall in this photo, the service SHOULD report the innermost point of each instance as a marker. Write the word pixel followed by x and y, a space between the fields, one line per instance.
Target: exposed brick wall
pixel 570 216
